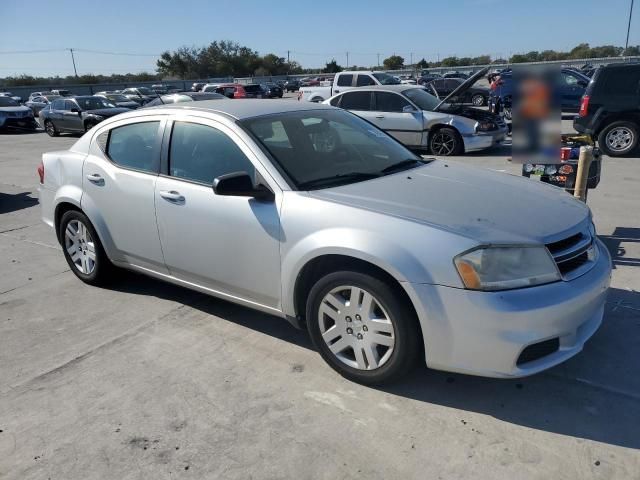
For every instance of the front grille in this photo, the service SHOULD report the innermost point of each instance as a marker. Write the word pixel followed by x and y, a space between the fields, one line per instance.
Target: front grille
pixel 538 350
pixel 573 254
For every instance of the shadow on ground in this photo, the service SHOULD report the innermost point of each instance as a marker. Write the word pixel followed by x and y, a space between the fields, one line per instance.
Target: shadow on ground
pixel 17 201
pixel 615 241
pixel 555 401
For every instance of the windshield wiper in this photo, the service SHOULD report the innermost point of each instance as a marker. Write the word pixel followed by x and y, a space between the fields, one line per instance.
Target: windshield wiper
pixel 338 179
pixel 403 165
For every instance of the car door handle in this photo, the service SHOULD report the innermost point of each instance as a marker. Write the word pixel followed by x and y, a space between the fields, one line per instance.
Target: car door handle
pixel 172 196
pixel 336 91
pixel 95 178
pixel 379 116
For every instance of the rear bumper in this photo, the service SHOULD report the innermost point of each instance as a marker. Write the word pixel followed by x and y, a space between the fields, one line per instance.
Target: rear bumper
pixel 484 333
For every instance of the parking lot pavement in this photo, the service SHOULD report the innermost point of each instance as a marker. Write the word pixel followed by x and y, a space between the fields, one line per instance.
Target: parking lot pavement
pixel 149 380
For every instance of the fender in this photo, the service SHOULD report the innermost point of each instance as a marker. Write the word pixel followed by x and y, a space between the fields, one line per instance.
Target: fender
pixel 361 244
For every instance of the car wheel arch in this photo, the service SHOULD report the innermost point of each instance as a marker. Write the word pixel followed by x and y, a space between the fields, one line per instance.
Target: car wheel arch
pixel 616 117
pixel 325 264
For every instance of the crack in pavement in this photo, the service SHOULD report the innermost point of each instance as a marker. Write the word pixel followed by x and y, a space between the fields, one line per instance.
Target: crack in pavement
pixel 27 384
pixel 32 283
pixel 33 242
pixel 18 228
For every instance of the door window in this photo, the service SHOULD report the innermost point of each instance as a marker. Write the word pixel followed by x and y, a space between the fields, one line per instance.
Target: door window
pixel 57 105
pixel 390 102
pixel 356 101
pixel 135 146
pixel 364 80
pixel 68 105
pixel 345 80
pixel 201 153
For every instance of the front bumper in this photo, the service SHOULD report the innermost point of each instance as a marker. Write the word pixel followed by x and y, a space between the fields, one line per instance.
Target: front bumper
pixel 480 141
pixel 484 333
pixel 18 122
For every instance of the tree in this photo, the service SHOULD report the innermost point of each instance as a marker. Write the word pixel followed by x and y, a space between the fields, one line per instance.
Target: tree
pixel 422 64
pixel 332 67
pixel 394 62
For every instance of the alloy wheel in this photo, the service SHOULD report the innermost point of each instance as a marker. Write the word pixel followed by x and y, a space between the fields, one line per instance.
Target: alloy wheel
pixel 80 246
pixel 443 144
pixel 619 139
pixel 48 126
pixel 477 100
pixel 356 328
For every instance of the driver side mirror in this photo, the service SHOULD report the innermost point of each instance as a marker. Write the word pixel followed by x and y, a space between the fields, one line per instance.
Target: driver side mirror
pixel 75 110
pixel 408 109
pixel 240 184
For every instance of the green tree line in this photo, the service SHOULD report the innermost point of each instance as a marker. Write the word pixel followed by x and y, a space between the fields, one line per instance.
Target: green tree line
pixel 226 58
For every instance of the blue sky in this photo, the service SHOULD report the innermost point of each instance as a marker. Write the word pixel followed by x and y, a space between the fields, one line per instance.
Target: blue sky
pixel 315 31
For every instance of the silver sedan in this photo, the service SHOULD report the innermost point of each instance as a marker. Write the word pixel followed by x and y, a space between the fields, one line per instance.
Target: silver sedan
pixel 423 122
pixel 310 213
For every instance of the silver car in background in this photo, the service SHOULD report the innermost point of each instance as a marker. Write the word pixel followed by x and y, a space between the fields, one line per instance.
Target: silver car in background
pixel 422 121
pixel 308 212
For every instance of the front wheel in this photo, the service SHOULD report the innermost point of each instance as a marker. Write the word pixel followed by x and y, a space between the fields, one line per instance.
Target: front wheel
pixel 51 129
pixel 478 100
pixel 446 141
pixel 362 327
pixel 82 249
pixel 619 138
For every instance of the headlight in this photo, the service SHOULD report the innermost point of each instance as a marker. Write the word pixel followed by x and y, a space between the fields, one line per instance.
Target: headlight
pixel 502 268
pixel 486 126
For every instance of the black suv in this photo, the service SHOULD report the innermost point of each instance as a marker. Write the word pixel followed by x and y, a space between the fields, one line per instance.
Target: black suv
pixel 610 109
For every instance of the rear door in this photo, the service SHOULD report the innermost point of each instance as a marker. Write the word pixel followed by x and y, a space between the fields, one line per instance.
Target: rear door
pixel 119 178
pixel 358 102
pixel 389 115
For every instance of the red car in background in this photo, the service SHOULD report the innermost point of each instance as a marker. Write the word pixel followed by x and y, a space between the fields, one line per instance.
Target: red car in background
pixel 236 90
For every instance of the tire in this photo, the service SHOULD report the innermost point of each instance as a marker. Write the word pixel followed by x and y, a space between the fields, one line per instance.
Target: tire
pixel 374 363
pixel 92 265
pixel 51 129
pixel 446 141
pixel 618 138
pixel 89 125
pixel 478 100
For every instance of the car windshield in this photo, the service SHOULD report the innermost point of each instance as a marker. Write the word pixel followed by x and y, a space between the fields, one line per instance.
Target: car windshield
pixel 117 98
pixel 324 148
pixel 386 79
pixel 93 103
pixel 422 98
pixel 8 102
pixel 146 91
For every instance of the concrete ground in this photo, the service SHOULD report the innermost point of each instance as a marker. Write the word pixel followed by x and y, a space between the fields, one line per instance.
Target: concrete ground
pixel 146 380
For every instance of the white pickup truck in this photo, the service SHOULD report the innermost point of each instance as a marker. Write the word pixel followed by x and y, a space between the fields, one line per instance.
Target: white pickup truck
pixel 344 81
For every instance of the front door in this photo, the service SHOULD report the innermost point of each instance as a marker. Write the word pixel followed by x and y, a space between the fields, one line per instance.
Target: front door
pixel 228 244
pixel 389 115
pixel 71 120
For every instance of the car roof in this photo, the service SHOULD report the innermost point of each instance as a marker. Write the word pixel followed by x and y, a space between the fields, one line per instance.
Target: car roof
pixel 390 88
pixel 248 108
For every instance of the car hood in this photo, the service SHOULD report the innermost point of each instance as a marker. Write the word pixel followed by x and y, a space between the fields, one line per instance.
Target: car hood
pixel 486 206
pixel 19 108
pixel 463 87
pixel 107 112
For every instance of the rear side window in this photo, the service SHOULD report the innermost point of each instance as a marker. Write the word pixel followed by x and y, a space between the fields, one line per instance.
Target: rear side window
pixel 390 102
pixel 201 153
pixel 335 101
pixel 58 105
pixel 620 82
pixel 345 80
pixel 135 146
pixel 356 101
pixel 253 88
pixel 364 80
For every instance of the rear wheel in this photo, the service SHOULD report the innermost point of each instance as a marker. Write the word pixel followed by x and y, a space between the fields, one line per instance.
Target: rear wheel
pixel 362 327
pixel 50 128
pixel 82 249
pixel 619 138
pixel 446 141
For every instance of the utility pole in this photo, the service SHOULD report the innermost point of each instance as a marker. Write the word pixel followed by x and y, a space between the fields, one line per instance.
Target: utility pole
pixel 74 62
pixel 347 60
pixel 626 44
pixel 378 59
pixel 288 56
